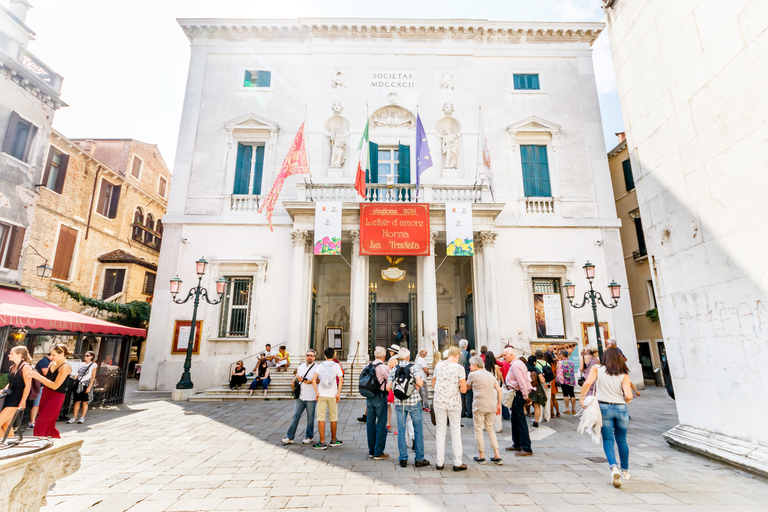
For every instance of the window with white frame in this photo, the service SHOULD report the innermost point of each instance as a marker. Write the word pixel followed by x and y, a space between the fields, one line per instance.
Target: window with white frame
pixel 136 169
pixel 257 78
pixel 236 307
pixel 389 159
pixel 161 186
pixel 114 278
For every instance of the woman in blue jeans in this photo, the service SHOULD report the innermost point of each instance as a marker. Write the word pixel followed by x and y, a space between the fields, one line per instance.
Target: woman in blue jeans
pixel 613 393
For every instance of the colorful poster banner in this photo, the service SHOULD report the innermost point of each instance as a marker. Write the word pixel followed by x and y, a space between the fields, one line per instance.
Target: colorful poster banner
pixel 388 229
pixel 328 228
pixel 548 309
pixel 458 229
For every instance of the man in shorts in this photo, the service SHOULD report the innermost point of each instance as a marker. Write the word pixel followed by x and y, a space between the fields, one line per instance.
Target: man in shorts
pixel 328 380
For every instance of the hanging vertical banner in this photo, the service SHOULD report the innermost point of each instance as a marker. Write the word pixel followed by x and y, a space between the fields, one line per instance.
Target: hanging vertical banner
pixel 458 229
pixel 328 228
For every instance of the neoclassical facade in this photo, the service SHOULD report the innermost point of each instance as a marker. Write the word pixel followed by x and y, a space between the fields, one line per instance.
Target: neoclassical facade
pixel 250 86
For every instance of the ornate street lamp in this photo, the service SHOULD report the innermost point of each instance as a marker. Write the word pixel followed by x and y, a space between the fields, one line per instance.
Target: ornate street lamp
pixel 201 266
pixel 593 297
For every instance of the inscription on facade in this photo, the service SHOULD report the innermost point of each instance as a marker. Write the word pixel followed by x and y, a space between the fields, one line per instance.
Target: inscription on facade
pixel 392 79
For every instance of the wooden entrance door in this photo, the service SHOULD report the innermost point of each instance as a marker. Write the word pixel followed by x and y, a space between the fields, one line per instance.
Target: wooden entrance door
pixel 389 316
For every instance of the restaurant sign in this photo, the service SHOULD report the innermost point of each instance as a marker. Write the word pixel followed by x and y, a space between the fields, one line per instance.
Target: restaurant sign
pixel 394 229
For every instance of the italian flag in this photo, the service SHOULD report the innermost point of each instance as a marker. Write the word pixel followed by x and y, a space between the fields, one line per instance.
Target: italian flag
pixel 363 162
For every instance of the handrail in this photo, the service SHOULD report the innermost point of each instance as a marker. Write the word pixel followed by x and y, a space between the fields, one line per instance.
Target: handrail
pixel 232 365
pixel 352 369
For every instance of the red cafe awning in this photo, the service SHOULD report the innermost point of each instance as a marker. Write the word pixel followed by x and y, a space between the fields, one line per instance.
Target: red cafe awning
pixel 21 310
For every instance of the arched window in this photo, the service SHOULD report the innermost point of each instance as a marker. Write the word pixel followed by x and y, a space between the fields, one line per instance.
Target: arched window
pixel 149 224
pixel 138 220
pixel 159 229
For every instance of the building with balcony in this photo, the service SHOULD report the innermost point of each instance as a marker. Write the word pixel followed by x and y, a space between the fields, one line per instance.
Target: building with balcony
pixel 650 342
pixel 30 95
pixel 252 83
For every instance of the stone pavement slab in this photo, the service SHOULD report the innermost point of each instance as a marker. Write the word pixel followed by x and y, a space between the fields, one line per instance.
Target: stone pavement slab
pixel 153 455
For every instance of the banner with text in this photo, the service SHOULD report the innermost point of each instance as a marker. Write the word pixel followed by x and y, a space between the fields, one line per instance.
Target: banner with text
pixel 458 229
pixel 394 229
pixel 328 228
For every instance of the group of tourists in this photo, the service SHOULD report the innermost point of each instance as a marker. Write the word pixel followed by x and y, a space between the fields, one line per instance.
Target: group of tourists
pixel 481 386
pixel 278 360
pixel 45 387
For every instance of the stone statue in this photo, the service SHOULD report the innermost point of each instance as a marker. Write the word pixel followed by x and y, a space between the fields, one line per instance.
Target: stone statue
pixel 341 317
pixel 338 149
pixel 448 108
pixel 450 150
pixel 337 107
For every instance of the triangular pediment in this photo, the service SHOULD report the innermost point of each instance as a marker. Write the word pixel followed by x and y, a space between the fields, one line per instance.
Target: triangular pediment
pixel 251 121
pixel 533 124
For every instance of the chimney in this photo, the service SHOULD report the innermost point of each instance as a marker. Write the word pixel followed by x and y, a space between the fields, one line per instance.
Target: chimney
pixel 622 136
pixel 19 9
pixel 92 146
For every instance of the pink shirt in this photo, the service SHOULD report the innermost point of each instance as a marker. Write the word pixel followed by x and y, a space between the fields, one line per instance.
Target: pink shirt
pixel 518 378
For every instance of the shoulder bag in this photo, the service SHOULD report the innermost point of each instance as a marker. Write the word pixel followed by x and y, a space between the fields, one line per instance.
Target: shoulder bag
pixel 296 390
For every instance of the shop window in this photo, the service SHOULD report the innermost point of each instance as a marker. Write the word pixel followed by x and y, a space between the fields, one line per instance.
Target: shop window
pixel 113 282
pixel 19 137
pixel 548 308
pixel 236 308
pixel 55 170
pixel 65 250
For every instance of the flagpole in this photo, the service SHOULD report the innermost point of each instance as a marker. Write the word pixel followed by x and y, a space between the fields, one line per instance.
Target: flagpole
pixel 306 143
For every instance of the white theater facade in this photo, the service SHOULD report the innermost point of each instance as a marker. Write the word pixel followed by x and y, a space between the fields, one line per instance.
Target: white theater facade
pixel 252 83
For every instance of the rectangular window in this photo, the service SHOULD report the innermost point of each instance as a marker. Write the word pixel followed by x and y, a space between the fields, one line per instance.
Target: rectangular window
pixel 11 240
pixel 535 171
pixel 161 187
pixel 236 308
pixel 651 294
pixel 149 283
pixel 641 249
pixel 55 170
pixel 136 170
pixel 18 137
pixel 258 78
pixel 65 250
pixel 527 81
pixel 389 159
pixel 629 180
pixel 113 282
pixel 249 167
pixel 548 308
pixel 109 198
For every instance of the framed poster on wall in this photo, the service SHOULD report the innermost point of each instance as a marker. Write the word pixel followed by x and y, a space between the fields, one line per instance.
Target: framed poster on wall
pixel 334 338
pixel 181 331
pixel 588 333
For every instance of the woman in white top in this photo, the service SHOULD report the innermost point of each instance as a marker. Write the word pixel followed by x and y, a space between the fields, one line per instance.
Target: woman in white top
pixel 81 395
pixel 448 382
pixel 613 393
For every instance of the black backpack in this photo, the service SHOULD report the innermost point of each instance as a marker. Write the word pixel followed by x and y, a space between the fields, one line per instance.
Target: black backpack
pixel 404 382
pixel 369 385
pixel 549 375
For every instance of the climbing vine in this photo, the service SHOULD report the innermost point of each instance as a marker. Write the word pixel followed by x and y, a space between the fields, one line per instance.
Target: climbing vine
pixel 133 314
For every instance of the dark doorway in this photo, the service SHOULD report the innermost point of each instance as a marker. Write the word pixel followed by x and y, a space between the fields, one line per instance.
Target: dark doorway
pixel 389 316
pixel 644 352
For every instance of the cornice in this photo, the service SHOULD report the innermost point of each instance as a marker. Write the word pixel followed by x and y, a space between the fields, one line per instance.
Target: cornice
pixel 502 31
pixel 618 149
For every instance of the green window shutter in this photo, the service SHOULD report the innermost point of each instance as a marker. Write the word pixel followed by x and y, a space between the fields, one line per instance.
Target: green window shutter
pixel 535 171
pixel 534 82
pixel 258 170
pixel 248 82
pixel 263 78
pixel 373 157
pixel 518 82
pixel 404 165
pixel 242 169
pixel 529 171
pixel 542 171
pixel 629 180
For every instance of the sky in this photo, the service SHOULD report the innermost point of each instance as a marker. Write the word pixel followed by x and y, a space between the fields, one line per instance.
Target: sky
pixel 125 63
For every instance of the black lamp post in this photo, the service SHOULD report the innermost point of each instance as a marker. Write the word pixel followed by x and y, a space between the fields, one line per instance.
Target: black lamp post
pixel 201 266
pixel 593 296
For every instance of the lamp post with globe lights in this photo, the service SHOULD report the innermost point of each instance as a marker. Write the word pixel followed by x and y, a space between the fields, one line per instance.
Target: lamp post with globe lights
pixel 201 266
pixel 593 297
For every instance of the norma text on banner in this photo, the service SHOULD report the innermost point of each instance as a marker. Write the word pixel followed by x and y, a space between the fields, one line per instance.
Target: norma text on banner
pixel 391 229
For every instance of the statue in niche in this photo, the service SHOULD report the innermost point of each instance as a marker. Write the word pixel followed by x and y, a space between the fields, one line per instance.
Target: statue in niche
pixel 450 150
pixel 447 81
pixel 440 288
pixel 448 108
pixel 338 149
pixel 340 318
pixel 337 107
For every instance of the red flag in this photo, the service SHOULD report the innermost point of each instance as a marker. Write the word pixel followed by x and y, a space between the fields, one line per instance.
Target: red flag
pixel 295 163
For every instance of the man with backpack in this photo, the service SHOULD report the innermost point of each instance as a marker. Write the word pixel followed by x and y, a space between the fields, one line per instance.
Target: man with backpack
pixel 549 376
pixel 328 381
pixel 305 399
pixel 373 386
pixel 404 380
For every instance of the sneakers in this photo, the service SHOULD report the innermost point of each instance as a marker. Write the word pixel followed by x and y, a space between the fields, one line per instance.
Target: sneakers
pixel 479 460
pixel 615 477
pixel 336 442
pixel 498 461
pixel 287 440
pixel 306 440
pixel 625 475
pixel 320 446
pixel 383 456
pixel 72 420
pixel 81 420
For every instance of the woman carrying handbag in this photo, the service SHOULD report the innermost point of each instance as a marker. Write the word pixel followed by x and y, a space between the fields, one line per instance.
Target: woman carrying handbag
pixel 83 386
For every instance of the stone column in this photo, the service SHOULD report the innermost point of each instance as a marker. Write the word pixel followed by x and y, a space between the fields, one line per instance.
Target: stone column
pixel 429 294
pixel 298 289
pixel 491 295
pixel 307 312
pixel 358 301
pixel 478 295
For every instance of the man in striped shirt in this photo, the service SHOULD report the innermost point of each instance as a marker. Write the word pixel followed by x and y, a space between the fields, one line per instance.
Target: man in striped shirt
pixel 518 379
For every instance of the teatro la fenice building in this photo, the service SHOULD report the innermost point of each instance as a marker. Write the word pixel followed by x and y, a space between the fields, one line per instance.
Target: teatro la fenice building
pixel 252 83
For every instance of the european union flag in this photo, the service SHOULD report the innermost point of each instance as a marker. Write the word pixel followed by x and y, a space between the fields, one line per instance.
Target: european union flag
pixel 423 157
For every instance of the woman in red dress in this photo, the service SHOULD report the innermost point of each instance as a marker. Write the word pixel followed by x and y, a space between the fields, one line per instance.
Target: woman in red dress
pixel 56 386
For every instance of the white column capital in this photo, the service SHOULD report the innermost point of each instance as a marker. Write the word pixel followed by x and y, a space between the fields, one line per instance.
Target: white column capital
pixel 354 234
pixel 299 237
pixel 488 238
pixel 433 240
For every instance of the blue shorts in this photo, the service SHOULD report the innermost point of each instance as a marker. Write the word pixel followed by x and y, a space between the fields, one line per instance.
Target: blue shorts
pixel 37 400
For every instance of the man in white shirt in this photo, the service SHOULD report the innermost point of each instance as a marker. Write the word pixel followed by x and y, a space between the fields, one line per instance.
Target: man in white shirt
pixel 270 355
pixel 328 380
pixel 307 399
pixel 421 363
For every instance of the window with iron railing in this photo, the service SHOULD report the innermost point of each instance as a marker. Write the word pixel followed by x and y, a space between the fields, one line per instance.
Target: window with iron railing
pixel 236 307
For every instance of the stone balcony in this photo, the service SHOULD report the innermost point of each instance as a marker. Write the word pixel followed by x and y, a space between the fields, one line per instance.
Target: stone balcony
pixel 31 73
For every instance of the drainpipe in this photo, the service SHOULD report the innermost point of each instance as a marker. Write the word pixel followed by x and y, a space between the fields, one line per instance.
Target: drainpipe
pixel 93 196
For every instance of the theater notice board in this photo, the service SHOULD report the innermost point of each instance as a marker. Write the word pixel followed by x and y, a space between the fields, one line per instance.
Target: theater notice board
pixel 389 229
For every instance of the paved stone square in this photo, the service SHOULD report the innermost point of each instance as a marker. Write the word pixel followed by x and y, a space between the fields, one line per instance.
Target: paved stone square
pixel 153 455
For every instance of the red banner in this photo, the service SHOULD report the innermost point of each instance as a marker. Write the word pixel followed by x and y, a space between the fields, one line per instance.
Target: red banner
pixel 390 229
